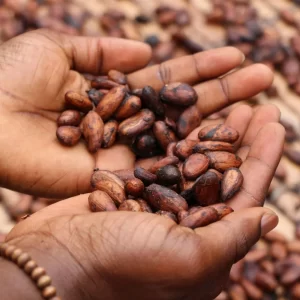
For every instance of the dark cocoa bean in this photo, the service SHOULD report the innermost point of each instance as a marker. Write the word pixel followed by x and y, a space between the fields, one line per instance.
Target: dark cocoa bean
pixel 222 161
pixel 100 201
pixel 81 102
pixel 220 175
pixel 109 133
pixel 68 135
pixel 129 107
pixel 188 44
pixel 184 148
pixel 117 77
pixel 167 215
pixel 202 147
pixel 130 205
pixel 95 96
pixel 163 134
pixel 151 100
pixel 69 118
pixel 219 132
pixel 168 160
pixel 145 176
pixel 145 145
pixel 134 187
pixel 195 165
pixel 231 183
pixel 168 175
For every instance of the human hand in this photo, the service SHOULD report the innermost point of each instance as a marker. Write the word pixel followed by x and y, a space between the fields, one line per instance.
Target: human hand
pixel 127 255
pixel 39 67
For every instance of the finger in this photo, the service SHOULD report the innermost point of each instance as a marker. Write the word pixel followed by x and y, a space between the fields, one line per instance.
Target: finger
pixel 218 93
pixel 189 69
pixel 99 55
pixel 259 167
pixel 262 116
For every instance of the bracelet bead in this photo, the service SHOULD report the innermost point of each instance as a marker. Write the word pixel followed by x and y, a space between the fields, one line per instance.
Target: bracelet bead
pixel 9 251
pixel 23 259
pixel 37 273
pixel 15 255
pixel 44 281
pixel 49 292
pixel 30 266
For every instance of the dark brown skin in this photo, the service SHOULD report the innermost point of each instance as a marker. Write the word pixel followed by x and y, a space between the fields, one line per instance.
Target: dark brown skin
pixel 100 201
pixel 168 175
pixel 163 134
pixel 68 135
pixel 109 133
pixel 219 132
pixel 117 77
pixel 144 175
pixel 69 118
pixel 151 100
pixel 78 101
pixel 129 106
pixel 202 147
pixel 221 160
pixel 184 148
pixel 231 183
pixel 195 165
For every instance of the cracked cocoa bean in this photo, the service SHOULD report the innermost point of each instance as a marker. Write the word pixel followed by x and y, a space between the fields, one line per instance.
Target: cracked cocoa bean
pixel 222 161
pixel 231 183
pixel 151 100
pixel 195 165
pixel 100 201
pixel 81 102
pixel 69 118
pixel 68 135
pixel 219 132
pixel 163 134
pixel 109 133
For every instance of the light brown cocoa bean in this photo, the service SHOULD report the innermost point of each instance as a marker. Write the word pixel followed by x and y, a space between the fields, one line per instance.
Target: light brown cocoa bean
pixel 237 292
pixel 189 119
pixel 163 198
pixel 69 118
pixel 136 124
pixel 110 102
pixel 163 134
pixel 102 181
pixel 184 148
pixel 168 175
pixel 294 247
pixel 117 77
pixel 144 175
pixel 93 128
pixel 200 218
pixel 112 176
pixel 130 205
pixel 219 132
pixel 151 100
pixel 202 147
pixel 168 160
pixel 167 215
pixel 134 187
pixel 68 135
pixel 100 201
pixel 182 214
pixel 180 94
pixel 129 107
pixel 237 270
pixel 266 281
pixel 102 82
pixel 251 290
pixel 231 183
pixel 220 175
pixel 278 250
pixel 145 145
pixel 195 165
pixel 222 209
pixel 206 189
pixel 221 160
pixel 109 133
pixel 170 151
pixel 144 206
pixel 125 174
pixel 81 102
pixel 95 96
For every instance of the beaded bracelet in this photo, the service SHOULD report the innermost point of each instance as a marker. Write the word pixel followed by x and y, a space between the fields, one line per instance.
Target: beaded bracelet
pixel 30 267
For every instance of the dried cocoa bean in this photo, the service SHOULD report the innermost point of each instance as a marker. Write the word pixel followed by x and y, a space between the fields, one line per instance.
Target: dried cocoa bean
pixel 163 134
pixel 68 135
pixel 110 102
pixel 206 189
pixel 170 151
pixel 231 183
pixel 93 129
pixel 184 148
pixel 145 176
pixel 202 147
pixel 129 107
pixel 95 96
pixel 163 198
pixel 180 94
pixel 112 176
pixel 117 77
pixel 290 276
pixel 69 118
pixel 125 174
pixel 134 187
pixel 268 266
pixel 168 160
pixel 278 251
pixel 219 132
pixel 220 175
pixel 103 83
pixel 170 123
pixel 145 145
pixel 236 292
pixel 109 133
pixel 136 124
pixel 181 215
pixel 222 209
pixel 200 218
pixel 144 206
pixel 81 102
pixel 130 205
pixel 151 100
pixel 251 290
pixel 195 165
pixel 189 119
pixel 168 175
pixel 100 201
pixel 222 161
pixel 194 209
pixel 266 281
pixel 167 215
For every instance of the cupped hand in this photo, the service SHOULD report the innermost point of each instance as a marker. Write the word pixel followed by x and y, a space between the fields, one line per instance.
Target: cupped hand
pixel 39 67
pixel 127 255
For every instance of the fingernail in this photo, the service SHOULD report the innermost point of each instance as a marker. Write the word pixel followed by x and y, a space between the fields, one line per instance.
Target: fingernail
pixel 268 222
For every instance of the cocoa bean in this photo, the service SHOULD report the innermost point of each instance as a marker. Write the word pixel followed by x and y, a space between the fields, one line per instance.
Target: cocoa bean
pixel 68 135
pixel 145 176
pixel 251 290
pixel 163 198
pixel 293 155
pixel 200 218
pixel 195 165
pixel 136 124
pixel 95 96
pixel 267 266
pixel 163 134
pixel 170 151
pixel 112 176
pixel 220 175
pixel 170 123
pixel 100 201
pixel 189 119
pixel 151 100
pixel 184 148
pixel 103 83
pixel 130 205
pixel 168 175
pixel 237 292
pixel 291 70
pixel 145 145
pixel 137 92
pixel 117 77
pixel 295 291
pixel 206 189
pixel 125 174
pixel 180 94
pixel 256 255
pixel 278 250
pixel 168 160
pixel 110 102
pixel 290 276
pixel 222 209
pixel 219 132
pixel 69 118
pixel 181 215
pixel 129 107
pixel 231 183
pixel 109 133
pixel 194 209
pixel 167 215
pixel 93 130
pixel 81 102
pixel 222 161
pixel 134 187
pixel 202 147
pixel 266 281
pixel 144 206
pixel 102 181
